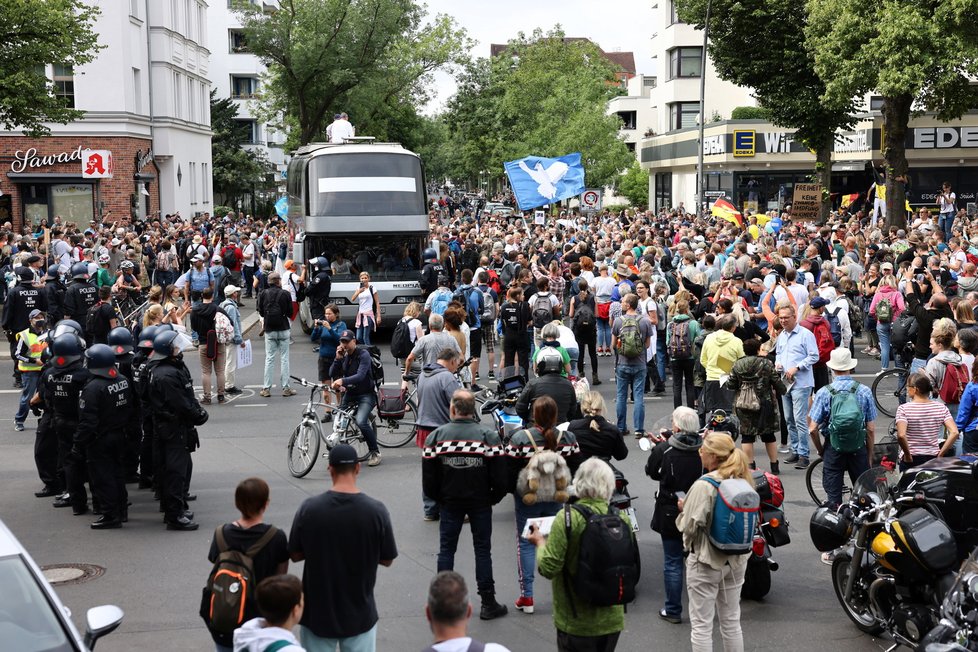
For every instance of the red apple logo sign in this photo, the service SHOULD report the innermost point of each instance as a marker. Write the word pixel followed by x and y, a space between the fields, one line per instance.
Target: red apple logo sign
pixel 96 164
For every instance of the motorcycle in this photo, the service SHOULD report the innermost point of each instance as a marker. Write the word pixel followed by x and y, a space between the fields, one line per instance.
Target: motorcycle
pixel 771 532
pixel 501 404
pixel 958 626
pixel 895 559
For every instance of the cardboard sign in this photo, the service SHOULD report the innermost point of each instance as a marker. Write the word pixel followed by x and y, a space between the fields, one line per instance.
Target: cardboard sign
pixel 805 202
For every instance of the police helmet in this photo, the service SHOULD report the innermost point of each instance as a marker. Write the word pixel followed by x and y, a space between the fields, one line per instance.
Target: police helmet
pixel 54 271
pixel 430 255
pixel 100 360
pixel 120 340
pixel 549 361
pixel 68 326
pixel 25 275
pixel 67 349
pixel 163 345
pixel 320 263
pixel 146 337
pixel 79 271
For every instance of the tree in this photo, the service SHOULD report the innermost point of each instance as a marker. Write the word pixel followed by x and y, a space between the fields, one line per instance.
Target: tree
pixel 634 185
pixel 370 58
pixel 918 55
pixel 236 171
pixel 34 33
pixel 781 71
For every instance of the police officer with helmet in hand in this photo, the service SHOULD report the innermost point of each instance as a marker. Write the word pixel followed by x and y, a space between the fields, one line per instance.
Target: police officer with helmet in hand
pixel 21 302
pixel 176 412
pixel 105 408
pixel 318 287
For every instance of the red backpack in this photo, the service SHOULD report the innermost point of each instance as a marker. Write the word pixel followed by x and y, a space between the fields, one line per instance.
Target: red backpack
pixel 823 338
pixel 494 283
pixel 952 387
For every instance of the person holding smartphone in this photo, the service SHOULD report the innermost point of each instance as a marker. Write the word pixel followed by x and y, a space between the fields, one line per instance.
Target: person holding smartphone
pixel 368 311
pixel 327 333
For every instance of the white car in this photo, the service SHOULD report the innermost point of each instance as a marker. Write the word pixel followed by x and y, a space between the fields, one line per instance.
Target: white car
pixel 32 618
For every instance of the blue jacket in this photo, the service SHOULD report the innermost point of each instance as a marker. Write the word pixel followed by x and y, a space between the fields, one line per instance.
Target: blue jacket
pixel 967 417
pixel 355 370
pixel 328 338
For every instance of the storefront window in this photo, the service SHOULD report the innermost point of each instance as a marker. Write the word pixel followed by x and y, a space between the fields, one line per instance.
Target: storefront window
pixel 73 202
pixel 663 190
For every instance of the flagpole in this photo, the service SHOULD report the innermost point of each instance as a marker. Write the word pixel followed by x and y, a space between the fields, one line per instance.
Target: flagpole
pixel 700 194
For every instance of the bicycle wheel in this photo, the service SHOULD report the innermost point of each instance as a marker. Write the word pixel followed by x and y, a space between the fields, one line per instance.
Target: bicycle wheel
pixel 352 435
pixel 889 390
pixel 813 481
pixel 304 447
pixel 394 433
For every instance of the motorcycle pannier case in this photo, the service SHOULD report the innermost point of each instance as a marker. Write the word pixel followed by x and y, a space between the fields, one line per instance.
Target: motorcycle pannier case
pixel 390 403
pixel 929 539
pixel 775 535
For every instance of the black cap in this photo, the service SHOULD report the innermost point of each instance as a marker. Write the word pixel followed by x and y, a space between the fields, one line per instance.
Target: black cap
pixel 342 455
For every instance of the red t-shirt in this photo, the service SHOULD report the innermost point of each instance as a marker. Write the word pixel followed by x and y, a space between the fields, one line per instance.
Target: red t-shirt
pixel 239 255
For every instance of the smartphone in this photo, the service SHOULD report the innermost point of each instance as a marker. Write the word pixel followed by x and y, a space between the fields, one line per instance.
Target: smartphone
pixel 363 284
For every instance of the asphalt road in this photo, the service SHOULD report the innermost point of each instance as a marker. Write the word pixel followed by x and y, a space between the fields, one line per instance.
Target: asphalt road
pixel 156 576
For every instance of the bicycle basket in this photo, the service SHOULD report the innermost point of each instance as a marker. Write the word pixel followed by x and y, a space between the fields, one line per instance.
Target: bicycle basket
pixel 391 403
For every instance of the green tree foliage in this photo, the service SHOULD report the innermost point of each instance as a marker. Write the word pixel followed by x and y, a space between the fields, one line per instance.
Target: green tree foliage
pixel 634 185
pixel 34 33
pixel 750 113
pixel 781 69
pixel 542 96
pixel 237 171
pixel 917 55
pixel 369 58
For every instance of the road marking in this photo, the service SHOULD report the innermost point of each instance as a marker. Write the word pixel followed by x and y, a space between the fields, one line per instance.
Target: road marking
pixel 11 391
pixel 251 405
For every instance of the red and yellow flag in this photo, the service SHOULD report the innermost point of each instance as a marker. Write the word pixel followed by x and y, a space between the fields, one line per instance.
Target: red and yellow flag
pixel 847 200
pixel 727 211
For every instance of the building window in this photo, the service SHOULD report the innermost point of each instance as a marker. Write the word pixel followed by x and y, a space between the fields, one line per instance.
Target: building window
pixel 64 83
pixel 137 91
pixel 244 88
pixel 663 190
pixel 250 132
pixel 628 119
pixel 685 62
pixel 193 184
pixel 73 202
pixel 204 186
pixel 238 44
pixel 177 95
pixel 683 114
pixel 673 16
pixel 648 82
pixel 134 8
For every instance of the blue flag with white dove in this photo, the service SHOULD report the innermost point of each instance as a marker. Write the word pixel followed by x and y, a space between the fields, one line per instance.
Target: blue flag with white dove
pixel 282 207
pixel 537 181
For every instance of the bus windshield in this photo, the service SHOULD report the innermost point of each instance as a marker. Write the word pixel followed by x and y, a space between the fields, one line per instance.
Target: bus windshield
pixel 366 184
pixel 391 257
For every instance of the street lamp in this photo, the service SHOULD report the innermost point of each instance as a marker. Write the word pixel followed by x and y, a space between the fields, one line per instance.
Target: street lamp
pixel 700 194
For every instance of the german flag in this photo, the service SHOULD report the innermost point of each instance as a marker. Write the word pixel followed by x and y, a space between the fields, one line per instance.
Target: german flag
pixel 848 200
pixel 727 211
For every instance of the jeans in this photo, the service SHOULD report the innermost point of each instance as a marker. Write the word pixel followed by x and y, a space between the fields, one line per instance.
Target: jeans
pixel 526 551
pixel 795 405
pixel 249 279
pixel 714 593
pixel 450 526
pixel 883 330
pixel 835 464
pixel 365 404
pixel 969 442
pixel 604 334
pixel 630 379
pixel 276 343
pixel 660 359
pixel 574 355
pixel 30 380
pixel 365 330
pixel 944 222
pixel 365 642
pixel 672 574
pixel 682 374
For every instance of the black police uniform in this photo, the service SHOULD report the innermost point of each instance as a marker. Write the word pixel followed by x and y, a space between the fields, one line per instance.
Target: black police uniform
pixel 79 297
pixel 60 390
pixel 147 458
pixel 54 292
pixel 175 410
pixel 46 444
pixel 429 277
pixel 318 293
pixel 104 411
pixel 16 313
pixel 123 362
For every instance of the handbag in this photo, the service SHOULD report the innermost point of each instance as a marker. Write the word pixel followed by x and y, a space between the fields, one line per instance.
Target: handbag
pixel 747 398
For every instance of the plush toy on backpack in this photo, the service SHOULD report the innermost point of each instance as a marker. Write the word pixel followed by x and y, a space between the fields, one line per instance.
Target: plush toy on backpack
pixel 545 478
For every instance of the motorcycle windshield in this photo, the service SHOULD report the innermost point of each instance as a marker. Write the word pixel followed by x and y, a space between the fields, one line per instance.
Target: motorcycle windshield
pixel 876 480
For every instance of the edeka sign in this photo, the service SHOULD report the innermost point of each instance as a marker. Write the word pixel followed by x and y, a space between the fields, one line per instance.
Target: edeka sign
pixel 28 159
pixel 805 202
pixel 943 137
pixel 714 145
pixel 744 142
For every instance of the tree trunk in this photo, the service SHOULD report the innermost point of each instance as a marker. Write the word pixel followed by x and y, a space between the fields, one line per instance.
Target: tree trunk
pixel 896 117
pixel 823 177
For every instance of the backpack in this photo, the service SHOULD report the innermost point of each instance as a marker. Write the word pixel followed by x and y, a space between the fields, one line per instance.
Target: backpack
pixel 300 290
pixel 734 518
pixel 884 311
pixel 543 310
pixel 91 317
pixel 847 423
pixel 952 386
pixel 495 284
pixel 376 365
pixel 857 317
pixel 166 261
pixel 488 307
pixel 462 295
pixel 401 345
pixel 439 303
pixel 823 338
pixel 630 341
pixel 272 308
pixel 835 326
pixel 903 331
pixel 747 399
pixel 231 584
pixel 584 319
pixel 608 566
pixel 545 477
pixel 680 344
pixel 511 315
pixel 223 328
pixel 230 257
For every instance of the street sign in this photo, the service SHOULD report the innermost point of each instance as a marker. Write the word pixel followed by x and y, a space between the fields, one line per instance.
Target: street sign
pixel 591 200
pixel 713 194
pixel 805 202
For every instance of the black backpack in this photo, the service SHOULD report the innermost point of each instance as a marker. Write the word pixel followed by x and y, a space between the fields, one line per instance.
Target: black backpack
pixel 230 258
pixel 584 315
pixel 903 331
pixel 401 345
pixel 543 312
pixel 91 319
pixel 272 307
pixel 376 365
pixel 231 584
pixel 609 566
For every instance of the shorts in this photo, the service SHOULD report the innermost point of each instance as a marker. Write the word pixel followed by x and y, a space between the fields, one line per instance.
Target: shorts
pixel 766 437
pixel 475 343
pixel 489 337
pixel 325 362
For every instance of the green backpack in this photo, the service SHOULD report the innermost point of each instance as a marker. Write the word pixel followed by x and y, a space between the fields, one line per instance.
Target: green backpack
pixel 847 423
pixel 631 344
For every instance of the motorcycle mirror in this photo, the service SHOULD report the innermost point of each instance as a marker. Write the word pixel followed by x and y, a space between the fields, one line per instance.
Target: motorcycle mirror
pixel 488 407
pixel 645 444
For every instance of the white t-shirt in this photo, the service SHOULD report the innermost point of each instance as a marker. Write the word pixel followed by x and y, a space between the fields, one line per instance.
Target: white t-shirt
pixel 603 287
pixel 462 644
pixel 248 255
pixel 947 205
pixel 413 325
pixel 340 130
pixel 290 284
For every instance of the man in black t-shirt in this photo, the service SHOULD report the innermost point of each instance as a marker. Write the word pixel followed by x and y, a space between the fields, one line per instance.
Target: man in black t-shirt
pixel 342 535
pixel 105 317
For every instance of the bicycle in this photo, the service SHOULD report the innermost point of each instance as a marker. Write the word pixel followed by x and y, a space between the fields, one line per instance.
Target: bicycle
pixel 303 448
pixel 890 390
pixel 887 449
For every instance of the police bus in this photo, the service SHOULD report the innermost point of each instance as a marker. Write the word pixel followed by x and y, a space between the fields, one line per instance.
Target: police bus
pixel 362 205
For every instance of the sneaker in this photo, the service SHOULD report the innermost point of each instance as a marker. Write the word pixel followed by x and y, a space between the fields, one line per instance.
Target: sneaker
pixel 220 398
pixel 802 463
pixel 374 459
pixel 524 604
pixel 477 378
pixel 232 390
pixel 491 375
pixel 639 434
pixel 19 427
pixel 670 618
pixel 429 518
pixel 328 417
pixel 266 392
pixel 791 459
pixel 288 391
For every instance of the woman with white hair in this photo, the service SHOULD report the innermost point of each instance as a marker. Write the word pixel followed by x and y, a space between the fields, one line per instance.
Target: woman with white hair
pixel 580 624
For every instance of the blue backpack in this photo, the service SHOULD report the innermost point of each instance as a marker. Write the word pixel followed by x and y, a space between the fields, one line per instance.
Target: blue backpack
pixel 835 326
pixel 735 512
pixel 439 303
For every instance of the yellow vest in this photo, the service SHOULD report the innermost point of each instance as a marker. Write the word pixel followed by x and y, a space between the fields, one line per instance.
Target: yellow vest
pixel 35 348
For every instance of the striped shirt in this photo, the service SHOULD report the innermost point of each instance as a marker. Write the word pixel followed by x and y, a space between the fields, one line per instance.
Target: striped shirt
pixel 924 424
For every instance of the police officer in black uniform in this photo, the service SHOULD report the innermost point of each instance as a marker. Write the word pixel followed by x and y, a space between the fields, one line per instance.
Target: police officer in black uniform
pixel 54 292
pixel 140 361
pixel 431 271
pixel 120 341
pixel 21 300
pixel 105 409
pixel 319 287
pixel 176 412
pixel 81 294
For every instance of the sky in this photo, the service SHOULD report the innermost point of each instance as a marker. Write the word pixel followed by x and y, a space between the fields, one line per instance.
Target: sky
pixel 627 25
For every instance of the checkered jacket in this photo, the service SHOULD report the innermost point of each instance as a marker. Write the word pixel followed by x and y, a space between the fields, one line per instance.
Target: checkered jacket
pixel 463 465
pixel 520 449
